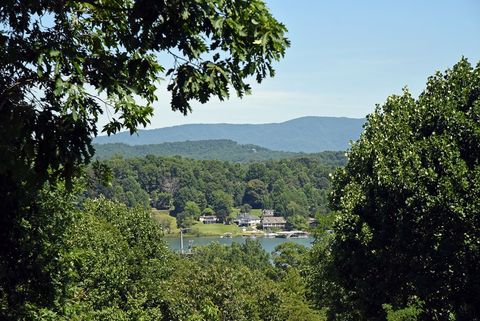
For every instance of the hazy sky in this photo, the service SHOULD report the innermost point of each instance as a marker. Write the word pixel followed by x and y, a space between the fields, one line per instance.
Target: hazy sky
pixel 347 56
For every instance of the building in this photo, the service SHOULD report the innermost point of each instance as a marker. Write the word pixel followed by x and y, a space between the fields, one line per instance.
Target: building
pixel 245 219
pixel 273 222
pixel 208 219
pixel 267 212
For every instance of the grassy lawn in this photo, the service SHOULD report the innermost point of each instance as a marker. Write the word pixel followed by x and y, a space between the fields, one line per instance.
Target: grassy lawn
pixel 168 223
pixel 201 229
pixel 256 212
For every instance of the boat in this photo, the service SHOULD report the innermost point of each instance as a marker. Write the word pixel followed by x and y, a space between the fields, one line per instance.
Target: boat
pixel 299 235
pixel 270 235
pixel 283 235
pixel 292 234
pixel 226 235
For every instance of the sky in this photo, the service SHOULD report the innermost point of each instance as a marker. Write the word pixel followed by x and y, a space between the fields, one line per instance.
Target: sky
pixel 345 57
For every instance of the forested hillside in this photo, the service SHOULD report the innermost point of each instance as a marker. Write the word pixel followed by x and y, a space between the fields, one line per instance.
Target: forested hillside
pixel 221 149
pixel 306 134
pixel 295 188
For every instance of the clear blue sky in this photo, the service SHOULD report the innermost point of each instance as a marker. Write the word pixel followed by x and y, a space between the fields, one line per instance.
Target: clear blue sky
pixel 347 56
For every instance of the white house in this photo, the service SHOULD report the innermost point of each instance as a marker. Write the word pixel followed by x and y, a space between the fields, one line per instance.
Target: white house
pixel 245 219
pixel 267 212
pixel 208 219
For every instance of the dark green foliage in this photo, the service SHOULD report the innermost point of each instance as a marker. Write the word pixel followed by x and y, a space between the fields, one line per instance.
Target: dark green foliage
pixel 101 260
pixel 245 208
pixel 216 292
pixel 254 193
pixel 222 204
pixel 296 187
pixel 237 283
pixel 41 245
pixel 97 262
pixel 62 64
pixel 189 215
pixel 289 255
pixel 250 254
pixel 408 207
pixel 225 150
pixel 297 222
pixel 161 200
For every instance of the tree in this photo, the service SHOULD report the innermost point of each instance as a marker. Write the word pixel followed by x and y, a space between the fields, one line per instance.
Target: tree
pixel 56 59
pixel 245 208
pixel 161 200
pixel 208 212
pixel 254 193
pixel 62 64
pixel 222 205
pixel 297 222
pixel 185 195
pixel 289 255
pixel 407 227
pixel 190 213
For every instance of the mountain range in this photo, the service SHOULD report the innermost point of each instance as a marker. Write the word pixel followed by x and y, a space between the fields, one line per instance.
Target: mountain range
pixel 215 149
pixel 306 134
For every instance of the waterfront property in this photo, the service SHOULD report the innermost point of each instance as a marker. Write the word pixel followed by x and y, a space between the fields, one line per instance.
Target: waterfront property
pixel 208 219
pixel 267 212
pixel 245 219
pixel 273 222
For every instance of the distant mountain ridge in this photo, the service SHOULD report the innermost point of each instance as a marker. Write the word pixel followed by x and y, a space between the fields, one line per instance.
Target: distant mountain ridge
pixel 307 134
pixel 221 149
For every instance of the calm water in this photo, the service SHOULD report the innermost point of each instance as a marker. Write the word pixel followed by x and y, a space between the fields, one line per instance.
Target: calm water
pixel 268 244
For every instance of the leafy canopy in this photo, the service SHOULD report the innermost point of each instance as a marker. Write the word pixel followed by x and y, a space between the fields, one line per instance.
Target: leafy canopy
pixel 63 63
pixel 408 227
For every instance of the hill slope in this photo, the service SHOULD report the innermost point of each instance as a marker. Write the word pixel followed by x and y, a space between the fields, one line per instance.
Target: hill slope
pixel 306 134
pixel 223 149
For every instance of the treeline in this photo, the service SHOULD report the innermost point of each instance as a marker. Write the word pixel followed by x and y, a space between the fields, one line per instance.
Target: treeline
pixel 219 149
pixel 294 188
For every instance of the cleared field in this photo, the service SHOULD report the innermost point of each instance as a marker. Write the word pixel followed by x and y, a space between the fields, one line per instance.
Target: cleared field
pixel 169 224
pixel 201 229
pixel 255 212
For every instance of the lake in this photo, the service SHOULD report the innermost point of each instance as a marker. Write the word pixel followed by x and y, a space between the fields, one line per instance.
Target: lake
pixel 268 244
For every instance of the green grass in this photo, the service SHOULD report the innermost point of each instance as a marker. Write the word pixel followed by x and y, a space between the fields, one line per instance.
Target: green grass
pixel 168 223
pixel 256 212
pixel 201 229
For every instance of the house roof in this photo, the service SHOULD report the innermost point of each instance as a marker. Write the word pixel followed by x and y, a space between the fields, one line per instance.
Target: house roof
pixel 208 217
pixel 274 219
pixel 246 216
pixel 267 212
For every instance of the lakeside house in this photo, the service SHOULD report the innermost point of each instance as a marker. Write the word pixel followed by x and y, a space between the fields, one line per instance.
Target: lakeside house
pixel 245 219
pixel 270 221
pixel 273 222
pixel 208 219
pixel 267 212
